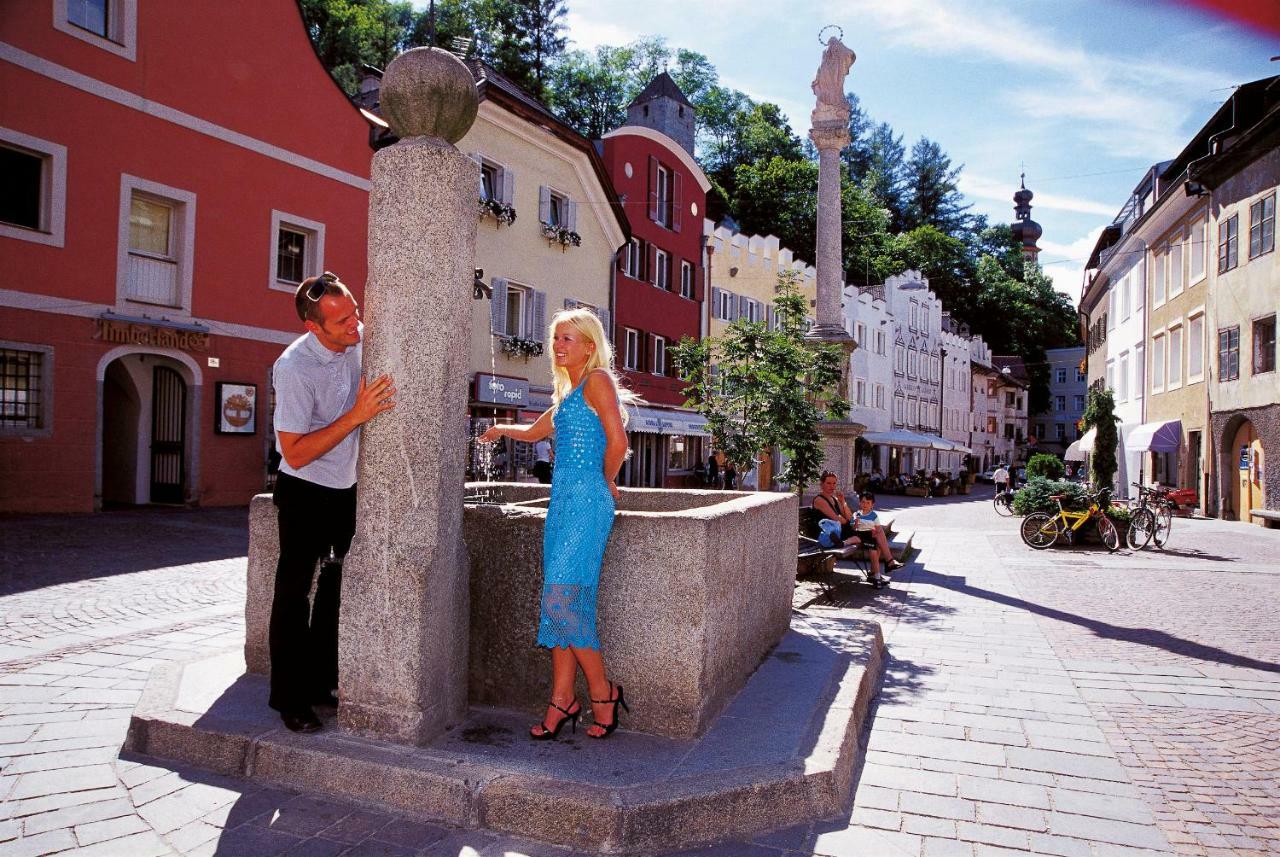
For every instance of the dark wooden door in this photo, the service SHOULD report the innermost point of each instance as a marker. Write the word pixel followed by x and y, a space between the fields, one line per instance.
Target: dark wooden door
pixel 168 435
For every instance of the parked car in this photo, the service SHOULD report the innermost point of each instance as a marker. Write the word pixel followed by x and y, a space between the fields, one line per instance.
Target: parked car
pixel 987 475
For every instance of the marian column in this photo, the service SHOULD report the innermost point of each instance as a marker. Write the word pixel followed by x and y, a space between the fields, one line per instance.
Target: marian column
pixel 830 134
pixel 404 626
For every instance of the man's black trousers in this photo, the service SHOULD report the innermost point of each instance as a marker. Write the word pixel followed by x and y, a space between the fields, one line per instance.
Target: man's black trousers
pixel 304 637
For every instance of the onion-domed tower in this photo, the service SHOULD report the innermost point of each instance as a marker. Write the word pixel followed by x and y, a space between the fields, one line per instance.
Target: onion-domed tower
pixel 1026 230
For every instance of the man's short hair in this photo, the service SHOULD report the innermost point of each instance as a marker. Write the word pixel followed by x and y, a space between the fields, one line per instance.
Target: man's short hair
pixel 306 300
pixel 867 495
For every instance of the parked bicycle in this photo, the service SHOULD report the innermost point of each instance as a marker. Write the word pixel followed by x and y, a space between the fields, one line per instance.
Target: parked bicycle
pixel 1151 518
pixel 1041 530
pixel 1003 502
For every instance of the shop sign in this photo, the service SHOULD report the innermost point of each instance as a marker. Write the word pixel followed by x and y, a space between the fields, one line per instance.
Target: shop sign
pixel 133 333
pixel 508 392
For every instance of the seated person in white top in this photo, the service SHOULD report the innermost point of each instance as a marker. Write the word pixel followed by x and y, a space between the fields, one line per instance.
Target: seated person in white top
pixel 866 523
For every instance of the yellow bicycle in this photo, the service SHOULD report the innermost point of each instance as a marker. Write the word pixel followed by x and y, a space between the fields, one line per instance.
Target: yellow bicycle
pixel 1041 530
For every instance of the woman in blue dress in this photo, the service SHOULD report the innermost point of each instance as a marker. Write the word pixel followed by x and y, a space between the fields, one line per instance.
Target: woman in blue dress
pixel 591 444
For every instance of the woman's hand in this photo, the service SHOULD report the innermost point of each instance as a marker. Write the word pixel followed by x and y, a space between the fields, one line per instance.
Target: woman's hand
pixel 491 434
pixel 613 489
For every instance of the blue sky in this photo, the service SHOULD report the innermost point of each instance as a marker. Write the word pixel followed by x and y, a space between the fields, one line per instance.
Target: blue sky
pixel 1088 93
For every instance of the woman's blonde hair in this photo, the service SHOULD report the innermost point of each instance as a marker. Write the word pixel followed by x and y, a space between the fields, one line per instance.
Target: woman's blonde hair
pixel 588 324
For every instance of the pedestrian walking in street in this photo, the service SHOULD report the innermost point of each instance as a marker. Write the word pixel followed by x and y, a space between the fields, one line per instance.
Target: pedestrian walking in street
pixel 591 444
pixel 322 400
pixel 1001 478
pixel 542 461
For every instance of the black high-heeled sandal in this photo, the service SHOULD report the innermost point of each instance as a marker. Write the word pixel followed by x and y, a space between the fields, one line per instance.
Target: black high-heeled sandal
pixel 615 702
pixel 569 716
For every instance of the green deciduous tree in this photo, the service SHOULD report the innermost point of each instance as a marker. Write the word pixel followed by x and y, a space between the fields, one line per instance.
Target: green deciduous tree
pixel 770 388
pixel 348 34
pixel 1100 414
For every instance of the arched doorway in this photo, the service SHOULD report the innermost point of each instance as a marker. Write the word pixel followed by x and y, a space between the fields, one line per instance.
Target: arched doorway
pixel 146 428
pixel 1245 448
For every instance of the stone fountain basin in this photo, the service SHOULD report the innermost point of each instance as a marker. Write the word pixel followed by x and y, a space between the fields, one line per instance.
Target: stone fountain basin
pixel 695 591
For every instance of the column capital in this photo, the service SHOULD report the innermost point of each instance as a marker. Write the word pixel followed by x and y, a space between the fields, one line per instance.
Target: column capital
pixel 830 135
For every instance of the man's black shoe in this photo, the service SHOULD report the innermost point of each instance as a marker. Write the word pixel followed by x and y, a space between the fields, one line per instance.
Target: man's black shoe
pixel 303 720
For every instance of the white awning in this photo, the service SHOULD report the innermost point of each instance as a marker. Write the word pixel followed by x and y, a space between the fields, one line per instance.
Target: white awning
pixel 1164 436
pixel 914 440
pixel 1082 447
pixel 656 421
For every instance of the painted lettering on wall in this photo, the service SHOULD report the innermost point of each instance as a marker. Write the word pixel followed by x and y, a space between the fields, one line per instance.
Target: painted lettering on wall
pixel 131 333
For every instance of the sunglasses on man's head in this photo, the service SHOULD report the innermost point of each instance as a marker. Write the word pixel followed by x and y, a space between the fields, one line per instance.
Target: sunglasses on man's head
pixel 317 290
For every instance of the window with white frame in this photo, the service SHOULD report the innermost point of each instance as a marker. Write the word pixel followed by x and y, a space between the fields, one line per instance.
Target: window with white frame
pixel 1176 274
pixel 725 305
pixel 914 315
pixel 1159 276
pixel 879 391
pixel 860 334
pixel 1197 252
pixel 1081 377
pixel 556 209
pixel 860 392
pixel 880 340
pixel 1262 226
pixel 517 303
pixel 156 246
pixel 297 250
pixel 26 375
pixel 913 411
pixel 631 349
pixel 1122 377
pixel 1174 375
pixel 899 408
pixel 1059 403
pixel 1078 403
pixel 1228 243
pixel 1060 431
pixel 1157 362
pixel 1111 309
pixel 1061 375
pixel 913 362
pixel 635 259
pixel 665 195
pixel 899 359
pixel 1195 348
pixel 33 206
pixel 107 24
pixel 686 279
pixel 1122 292
pixel 1111 375
pixel 659 355
pixel 662 269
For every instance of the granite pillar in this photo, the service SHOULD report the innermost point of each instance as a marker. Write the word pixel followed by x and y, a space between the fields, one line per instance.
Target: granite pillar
pixel 403 631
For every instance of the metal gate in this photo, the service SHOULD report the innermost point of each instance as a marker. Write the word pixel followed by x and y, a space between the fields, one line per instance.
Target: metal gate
pixel 168 435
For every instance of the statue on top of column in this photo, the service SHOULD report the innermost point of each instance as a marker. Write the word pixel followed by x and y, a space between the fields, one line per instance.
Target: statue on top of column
pixel 837 59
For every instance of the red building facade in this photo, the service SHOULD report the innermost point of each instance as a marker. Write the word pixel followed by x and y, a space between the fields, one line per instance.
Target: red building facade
pixel 180 167
pixel 660 282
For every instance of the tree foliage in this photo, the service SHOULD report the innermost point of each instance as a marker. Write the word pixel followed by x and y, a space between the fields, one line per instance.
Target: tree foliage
pixel 1045 466
pixel 769 388
pixel 1100 414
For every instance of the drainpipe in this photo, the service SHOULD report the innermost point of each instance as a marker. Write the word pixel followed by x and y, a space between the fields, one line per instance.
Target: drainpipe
pixel 704 321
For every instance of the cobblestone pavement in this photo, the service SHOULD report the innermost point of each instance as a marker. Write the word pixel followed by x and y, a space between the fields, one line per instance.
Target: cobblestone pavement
pixel 1066 702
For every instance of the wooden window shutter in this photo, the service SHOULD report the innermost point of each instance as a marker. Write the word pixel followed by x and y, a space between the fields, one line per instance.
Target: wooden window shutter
pixel 677 200
pixel 768 317
pixel 508 186
pixel 715 302
pixel 537 308
pixel 498 307
pixel 571 217
pixel 743 300
pixel 653 189
pixel 544 204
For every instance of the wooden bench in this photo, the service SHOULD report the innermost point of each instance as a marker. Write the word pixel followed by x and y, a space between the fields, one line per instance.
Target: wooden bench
pixel 813 557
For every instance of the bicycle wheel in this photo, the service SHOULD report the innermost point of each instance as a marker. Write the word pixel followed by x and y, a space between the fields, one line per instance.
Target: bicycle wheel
pixel 1040 530
pixel 1107 532
pixel 1004 504
pixel 1141 526
pixel 1163 523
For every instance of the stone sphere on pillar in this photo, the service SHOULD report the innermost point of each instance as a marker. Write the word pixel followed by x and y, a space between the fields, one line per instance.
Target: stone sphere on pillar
pixel 428 92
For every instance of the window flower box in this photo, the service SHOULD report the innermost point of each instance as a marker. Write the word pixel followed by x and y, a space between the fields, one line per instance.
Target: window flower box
pixel 560 235
pixel 515 346
pixel 499 211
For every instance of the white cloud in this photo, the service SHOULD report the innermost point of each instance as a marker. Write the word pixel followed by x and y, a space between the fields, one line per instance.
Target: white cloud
pixel 1064 263
pixel 587 33
pixel 983 187
pixel 1128 105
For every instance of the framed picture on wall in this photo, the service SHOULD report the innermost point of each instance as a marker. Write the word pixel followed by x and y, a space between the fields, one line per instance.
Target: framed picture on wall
pixel 237 408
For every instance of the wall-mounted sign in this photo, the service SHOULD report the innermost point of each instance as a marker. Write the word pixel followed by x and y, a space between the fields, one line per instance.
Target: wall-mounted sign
pixel 134 333
pixel 507 392
pixel 237 408
pixel 1245 458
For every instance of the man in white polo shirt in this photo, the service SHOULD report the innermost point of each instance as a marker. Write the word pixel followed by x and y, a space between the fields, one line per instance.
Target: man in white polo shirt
pixel 321 402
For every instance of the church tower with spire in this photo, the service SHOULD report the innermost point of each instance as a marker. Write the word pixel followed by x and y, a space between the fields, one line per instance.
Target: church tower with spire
pixel 1026 230
pixel 664 108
